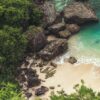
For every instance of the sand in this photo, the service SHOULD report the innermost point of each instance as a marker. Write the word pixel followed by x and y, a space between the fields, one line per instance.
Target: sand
pixel 67 75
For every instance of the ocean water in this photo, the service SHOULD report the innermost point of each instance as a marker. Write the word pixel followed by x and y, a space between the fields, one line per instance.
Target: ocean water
pixel 85 45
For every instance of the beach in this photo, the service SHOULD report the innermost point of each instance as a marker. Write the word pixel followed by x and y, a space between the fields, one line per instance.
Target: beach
pixel 68 75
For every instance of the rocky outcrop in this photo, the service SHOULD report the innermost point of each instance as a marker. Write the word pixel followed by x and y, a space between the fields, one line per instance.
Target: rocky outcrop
pixel 28 76
pixel 36 39
pixel 53 49
pixel 54 29
pixel 79 13
pixel 50 14
pixel 73 28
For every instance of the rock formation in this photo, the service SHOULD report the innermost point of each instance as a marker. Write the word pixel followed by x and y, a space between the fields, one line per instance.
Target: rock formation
pixel 79 13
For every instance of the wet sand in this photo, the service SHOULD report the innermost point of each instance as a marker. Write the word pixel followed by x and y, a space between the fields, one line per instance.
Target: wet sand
pixel 67 75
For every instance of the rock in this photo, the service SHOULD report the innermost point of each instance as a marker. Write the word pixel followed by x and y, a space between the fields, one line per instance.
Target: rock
pixel 52 87
pixel 33 81
pixel 32 78
pixel 64 34
pixel 50 14
pixel 53 49
pixel 36 39
pixel 40 91
pixel 28 95
pixel 53 64
pixel 72 60
pixel 73 28
pixel 59 85
pixel 79 13
pixel 54 29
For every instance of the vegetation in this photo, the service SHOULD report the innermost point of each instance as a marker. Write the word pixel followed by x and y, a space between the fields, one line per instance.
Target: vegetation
pixel 10 91
pixel 15 17
pixel 81 93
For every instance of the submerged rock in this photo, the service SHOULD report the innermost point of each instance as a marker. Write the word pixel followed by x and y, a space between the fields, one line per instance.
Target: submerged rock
pixel 72 60
pixel 40 91
pixel 53 49
pixel 79 13
pixel 73 28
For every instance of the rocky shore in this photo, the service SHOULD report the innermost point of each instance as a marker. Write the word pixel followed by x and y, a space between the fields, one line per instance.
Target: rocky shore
pixel 60 26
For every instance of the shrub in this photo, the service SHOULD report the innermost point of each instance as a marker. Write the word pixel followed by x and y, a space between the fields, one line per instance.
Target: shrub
pixel 12 46
pixel 10 91
pixel 19 13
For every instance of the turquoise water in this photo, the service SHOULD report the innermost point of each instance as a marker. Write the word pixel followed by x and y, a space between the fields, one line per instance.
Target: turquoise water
pixel 86 44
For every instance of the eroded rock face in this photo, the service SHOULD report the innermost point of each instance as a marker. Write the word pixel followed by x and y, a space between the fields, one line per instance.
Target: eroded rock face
pixel 79 13
pixel 73 28
pixel 36 39
pixel 49 12
pixel 53 49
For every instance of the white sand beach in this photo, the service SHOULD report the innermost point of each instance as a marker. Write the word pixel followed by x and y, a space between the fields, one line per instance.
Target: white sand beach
pixel 68 75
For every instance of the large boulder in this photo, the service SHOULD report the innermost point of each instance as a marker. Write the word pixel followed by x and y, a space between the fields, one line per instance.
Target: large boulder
pixel 56 28
pixel 79 13
pixel 53 49
pixel 36 39
pixel 73 28
pixel 50 14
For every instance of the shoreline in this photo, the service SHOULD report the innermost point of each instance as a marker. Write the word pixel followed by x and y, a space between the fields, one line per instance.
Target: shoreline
pixel 68 75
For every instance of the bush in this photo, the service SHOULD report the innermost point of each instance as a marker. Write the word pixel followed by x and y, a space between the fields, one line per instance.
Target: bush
pixel 10 91
pixel 19 13
pixel 81 93
pixel 12 46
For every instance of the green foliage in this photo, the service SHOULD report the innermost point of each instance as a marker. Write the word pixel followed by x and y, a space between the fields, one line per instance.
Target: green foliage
pixel 19 13
pixel 81 93
pixel 12 46
pixel 10 91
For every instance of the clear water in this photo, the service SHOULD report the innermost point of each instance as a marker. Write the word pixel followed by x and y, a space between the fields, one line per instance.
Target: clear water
pixel 86 44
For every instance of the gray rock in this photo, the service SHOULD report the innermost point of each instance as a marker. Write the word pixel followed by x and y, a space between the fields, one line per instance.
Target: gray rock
pixel 36 39
pixel 53 49
pixel 73 28
pixel 64 34
pixel 40 91
pixel 54 29
pixel 28 95
pixel 72 60
pixel 79 13
pixel 50 14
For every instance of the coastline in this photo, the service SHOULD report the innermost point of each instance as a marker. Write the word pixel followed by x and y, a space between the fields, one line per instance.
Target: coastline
pixel 68 75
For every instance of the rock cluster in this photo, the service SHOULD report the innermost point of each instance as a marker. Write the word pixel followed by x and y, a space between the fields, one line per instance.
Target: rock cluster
pixel 74 15
pixel 53 49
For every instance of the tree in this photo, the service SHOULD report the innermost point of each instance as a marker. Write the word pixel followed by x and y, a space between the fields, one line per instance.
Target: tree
pixel 20 13
pixel 12 46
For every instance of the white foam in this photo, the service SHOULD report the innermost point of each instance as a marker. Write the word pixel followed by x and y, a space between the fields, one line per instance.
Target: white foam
pixel 80 60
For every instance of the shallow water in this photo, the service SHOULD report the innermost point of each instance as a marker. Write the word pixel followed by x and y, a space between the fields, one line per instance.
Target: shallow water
pixel 85 45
